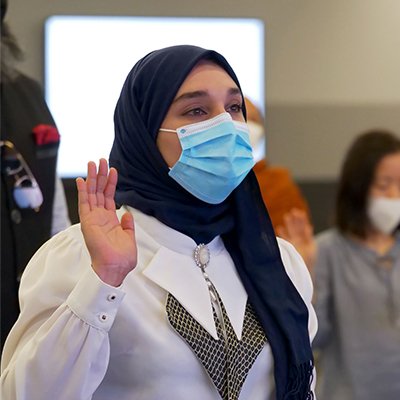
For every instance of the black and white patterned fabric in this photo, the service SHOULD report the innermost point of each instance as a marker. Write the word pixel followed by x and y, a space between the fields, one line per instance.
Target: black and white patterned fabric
pixel 227 361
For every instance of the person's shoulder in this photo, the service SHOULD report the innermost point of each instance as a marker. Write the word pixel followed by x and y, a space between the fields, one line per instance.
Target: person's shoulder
pixel 23 79
pixel 330 246
pixel 328 238
pixel 24 85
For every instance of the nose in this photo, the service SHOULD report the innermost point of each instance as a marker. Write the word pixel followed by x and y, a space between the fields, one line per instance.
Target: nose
pixel 217 110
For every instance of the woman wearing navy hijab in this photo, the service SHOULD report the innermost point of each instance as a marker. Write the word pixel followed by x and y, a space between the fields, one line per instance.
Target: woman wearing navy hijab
pixel 183 292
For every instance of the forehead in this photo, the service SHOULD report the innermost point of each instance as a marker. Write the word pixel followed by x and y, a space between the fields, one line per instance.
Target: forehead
pixel 207 75
pixel 389 166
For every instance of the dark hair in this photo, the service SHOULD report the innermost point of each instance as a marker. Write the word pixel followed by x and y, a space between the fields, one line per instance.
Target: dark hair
pixel 357 175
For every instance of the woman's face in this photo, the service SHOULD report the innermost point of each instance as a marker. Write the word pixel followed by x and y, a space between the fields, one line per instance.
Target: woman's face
pixel 206 92
pixel 386 182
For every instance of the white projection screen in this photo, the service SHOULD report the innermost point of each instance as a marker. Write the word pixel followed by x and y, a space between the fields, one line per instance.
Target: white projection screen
pixel 87 59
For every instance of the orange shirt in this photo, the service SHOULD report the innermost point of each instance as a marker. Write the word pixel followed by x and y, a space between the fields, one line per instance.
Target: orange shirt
pixel 280 193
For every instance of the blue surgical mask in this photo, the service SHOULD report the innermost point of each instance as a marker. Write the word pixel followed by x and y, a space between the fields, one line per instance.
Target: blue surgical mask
pixel 216 157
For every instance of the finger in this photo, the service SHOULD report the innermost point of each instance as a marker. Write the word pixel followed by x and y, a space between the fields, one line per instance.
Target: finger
pixel 127 223
pixel 91 183
pixel 83 202
pixel 299 221
pixel 290 225
pixel 280 231
pixel 109 191
pixel 302 222
pixel 91 179
pixel 300 217
pixel 101 181
pixel 297 211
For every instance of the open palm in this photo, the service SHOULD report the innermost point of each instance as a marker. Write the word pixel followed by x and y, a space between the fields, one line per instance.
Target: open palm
pixel 111 242
pixel 297 229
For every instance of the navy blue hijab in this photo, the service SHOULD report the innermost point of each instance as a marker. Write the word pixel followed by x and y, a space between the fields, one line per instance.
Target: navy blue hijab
pixel 241 220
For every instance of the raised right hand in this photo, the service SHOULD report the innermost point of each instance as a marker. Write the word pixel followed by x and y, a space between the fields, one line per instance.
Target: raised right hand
pixel 111 243
pixel 297 230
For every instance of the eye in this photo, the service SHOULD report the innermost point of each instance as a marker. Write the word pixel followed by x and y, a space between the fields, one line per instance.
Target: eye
pixel 235 108
pixel 382 185
pixel 195 112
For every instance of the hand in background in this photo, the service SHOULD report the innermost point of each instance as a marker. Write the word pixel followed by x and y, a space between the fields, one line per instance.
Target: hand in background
pixel 298 230
pixel 111 243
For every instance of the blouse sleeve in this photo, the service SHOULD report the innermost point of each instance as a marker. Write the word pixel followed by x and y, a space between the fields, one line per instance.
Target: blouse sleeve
pixel 59 347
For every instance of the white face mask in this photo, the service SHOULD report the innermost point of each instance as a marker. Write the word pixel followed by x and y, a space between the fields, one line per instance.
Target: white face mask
pixel 384 213
pixel 257 140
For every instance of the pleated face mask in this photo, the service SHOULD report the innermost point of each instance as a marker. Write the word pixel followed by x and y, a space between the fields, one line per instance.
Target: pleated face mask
pixel 384 213
pixel 216 157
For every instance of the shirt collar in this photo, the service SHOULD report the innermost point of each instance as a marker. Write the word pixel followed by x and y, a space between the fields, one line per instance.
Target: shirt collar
pixel 173 268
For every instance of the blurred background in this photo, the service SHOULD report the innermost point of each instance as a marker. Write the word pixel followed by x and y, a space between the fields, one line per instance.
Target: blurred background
pixel 331 71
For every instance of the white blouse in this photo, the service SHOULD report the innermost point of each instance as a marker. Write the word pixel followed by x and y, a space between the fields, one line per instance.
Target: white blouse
pixel 78 338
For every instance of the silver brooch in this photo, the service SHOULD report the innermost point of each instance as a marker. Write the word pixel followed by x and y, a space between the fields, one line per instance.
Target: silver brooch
pixel 201 256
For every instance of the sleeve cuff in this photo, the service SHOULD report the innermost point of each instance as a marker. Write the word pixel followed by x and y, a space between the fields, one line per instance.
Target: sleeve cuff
pixel 95 302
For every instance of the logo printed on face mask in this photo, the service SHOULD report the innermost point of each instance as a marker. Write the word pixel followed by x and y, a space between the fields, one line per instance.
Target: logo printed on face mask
pixel 384 213
pixel 216 157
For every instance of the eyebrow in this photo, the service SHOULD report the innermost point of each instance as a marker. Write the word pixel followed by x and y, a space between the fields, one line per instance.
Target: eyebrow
pixel 202 93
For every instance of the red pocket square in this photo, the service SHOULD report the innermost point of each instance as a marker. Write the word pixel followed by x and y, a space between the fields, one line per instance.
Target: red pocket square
pixel 45 134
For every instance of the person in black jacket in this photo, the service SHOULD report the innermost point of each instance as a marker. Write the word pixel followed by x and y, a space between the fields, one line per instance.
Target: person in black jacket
pixel 33 205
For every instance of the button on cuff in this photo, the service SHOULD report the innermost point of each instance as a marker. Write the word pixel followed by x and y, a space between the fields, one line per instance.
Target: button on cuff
pixel 103 317
pixel 111 297
pixel 95 302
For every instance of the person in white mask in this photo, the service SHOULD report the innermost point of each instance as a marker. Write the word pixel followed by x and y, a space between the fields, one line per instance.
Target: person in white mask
pixel 356 269
pixel 279 191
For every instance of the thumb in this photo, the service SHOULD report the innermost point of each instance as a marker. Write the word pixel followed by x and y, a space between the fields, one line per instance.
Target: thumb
pixel 281 231
pixel 127 223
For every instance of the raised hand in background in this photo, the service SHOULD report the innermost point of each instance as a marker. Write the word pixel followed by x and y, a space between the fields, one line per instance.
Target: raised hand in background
pixel 298 230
